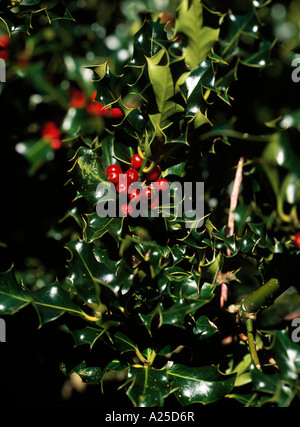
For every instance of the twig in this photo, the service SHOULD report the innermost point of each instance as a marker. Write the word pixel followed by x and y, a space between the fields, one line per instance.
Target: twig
pixel 234 196
pixel 233 204
pixel 252 343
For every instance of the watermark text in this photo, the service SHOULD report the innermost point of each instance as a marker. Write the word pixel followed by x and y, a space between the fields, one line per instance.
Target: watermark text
pixel 2 330
pixel 296 332
pixel 180 201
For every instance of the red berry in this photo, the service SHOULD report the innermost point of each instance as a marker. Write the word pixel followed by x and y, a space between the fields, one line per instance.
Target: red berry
pixel 147 193
pixel 297 240
pixel 78 98
pixel 114 168
pixel 50 131
pixel 126 210
pixel 132 175
pixel 161 184
pixel 4 41
pixel 113 177
pixel 134 194
pixel 122 187
pixel 136 161
pixel 154 174
pixel 116 113
pixel 55 144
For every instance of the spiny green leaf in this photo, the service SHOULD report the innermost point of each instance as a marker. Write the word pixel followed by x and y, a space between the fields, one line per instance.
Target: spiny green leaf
pixel 106 84
pixel 51 301
pixel 204 384
pixel 246 23
pixel 124 343
pixel 89 270
pixel 13 295
pixel 204 328
pixel 200 39
pixel 261 58
pixel 97 226
pixel 176 314
pixel 149 387
pixel 87 335
pixel 87 174
pixel 147 42
pixel 287 356
pixel 21 19
pixel 165 90
pixel 90 375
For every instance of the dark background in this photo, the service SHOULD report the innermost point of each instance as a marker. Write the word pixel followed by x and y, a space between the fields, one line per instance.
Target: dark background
pixel 31 205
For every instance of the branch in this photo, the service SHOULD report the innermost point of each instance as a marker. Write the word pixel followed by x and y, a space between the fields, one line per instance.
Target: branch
pixel 252 343
pixel 233 204
pixel 262 298
pixel 234 197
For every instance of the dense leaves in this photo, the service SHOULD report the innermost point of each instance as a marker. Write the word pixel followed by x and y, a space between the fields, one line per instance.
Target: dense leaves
pixel 148 289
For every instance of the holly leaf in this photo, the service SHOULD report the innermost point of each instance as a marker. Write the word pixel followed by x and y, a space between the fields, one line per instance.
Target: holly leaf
pixel 166 91
pixel 87 335
pixel 149 387
pixel 204 384
pixel 204 328
pixel 50 302
pixel 97 226
pixel 21 18
pixel 106 83
pixel 200 39
pixel 14 296
pixel 87 174
pixel 90 269
pixel 176 314
pixel 147 42
pixel 88 374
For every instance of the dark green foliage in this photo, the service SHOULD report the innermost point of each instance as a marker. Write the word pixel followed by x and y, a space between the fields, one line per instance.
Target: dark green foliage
pixel 149 288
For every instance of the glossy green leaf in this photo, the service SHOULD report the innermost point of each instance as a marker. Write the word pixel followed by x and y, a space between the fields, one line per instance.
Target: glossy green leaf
pixel 90 375
pixel 21 18
pixel 50 302
pixel 124 343
pixel 287 356
pixel 272 385
pixel 147 42
pixel 90 269
pixel 149 387
pixel 53 301
pixel 87 335
pixel 261 58
pixel 200 79
pixel 13 295
pixel 246 23
pixel 87 174
pixel 165 90
pixel 204 328
pixel 200 39
pixel 97 226
pixel 176 314
pixel 178 170
pixel 205 384
pixel 106 84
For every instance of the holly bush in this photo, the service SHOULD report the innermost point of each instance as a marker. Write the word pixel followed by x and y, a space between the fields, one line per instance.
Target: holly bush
pixel 170 310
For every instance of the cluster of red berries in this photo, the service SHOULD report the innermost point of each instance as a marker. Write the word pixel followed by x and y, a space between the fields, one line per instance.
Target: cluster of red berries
pixel 149 192
pixel 51 133
pixel 78 99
